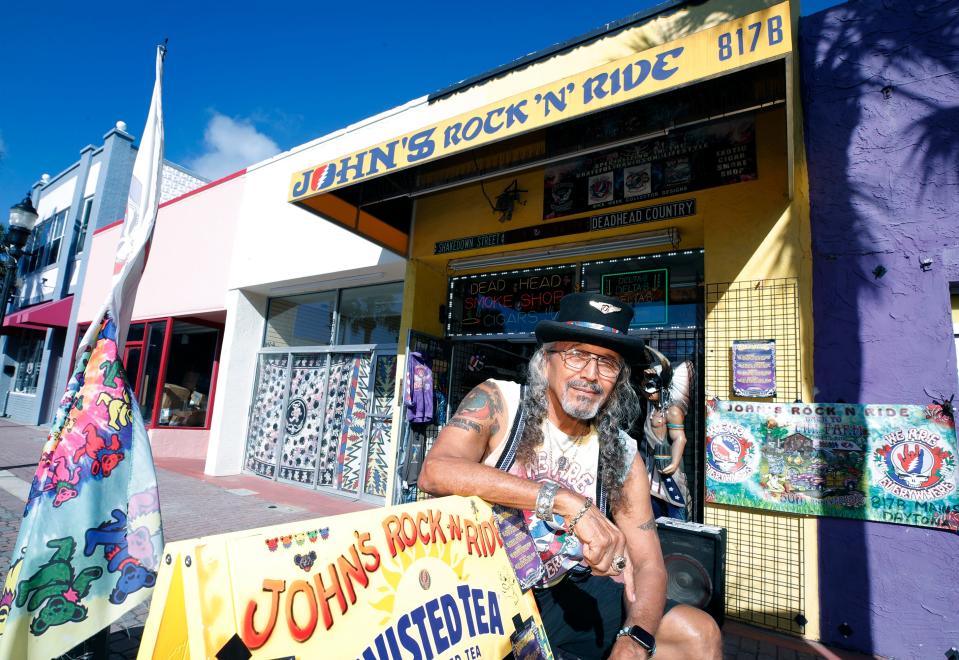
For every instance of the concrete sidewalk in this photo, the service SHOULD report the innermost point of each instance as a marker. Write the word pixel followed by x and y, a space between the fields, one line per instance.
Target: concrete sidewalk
pixel 194 504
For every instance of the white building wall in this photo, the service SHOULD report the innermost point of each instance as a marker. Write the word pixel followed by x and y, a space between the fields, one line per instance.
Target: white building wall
pixel 37 286
pixel 245 313
pixel 57 197
pixel 281 244
pixel 278 250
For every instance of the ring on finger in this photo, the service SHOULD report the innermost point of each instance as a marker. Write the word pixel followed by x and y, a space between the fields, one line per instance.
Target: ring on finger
pixel 619 563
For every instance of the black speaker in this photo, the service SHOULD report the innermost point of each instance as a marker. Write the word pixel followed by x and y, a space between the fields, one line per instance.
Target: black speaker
pixel 695 557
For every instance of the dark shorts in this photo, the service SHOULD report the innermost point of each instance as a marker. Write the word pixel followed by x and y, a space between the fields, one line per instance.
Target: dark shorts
pixel 582 615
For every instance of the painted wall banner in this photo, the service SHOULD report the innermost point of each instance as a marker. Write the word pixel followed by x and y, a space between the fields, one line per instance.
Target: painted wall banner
pixel 720 153
pixel 646 290
pixel 667 211
pixel 509 302
pixel 890 463
pixel 751 39
pixel 423 580
pixel 754 368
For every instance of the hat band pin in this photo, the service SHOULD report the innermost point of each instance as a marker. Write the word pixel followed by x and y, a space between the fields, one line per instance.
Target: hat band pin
pixel 594 326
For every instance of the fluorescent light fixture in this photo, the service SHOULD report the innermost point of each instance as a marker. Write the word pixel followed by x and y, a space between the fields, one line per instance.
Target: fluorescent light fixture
pixel 657 238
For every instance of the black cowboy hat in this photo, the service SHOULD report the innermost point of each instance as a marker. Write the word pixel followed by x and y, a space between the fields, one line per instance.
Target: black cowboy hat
pixel 591 318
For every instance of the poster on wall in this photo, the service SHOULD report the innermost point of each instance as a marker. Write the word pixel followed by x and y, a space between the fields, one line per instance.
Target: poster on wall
pixel 718 154
pixel 646 290
pixel 509 302
pixel 754 368
pixel 889 463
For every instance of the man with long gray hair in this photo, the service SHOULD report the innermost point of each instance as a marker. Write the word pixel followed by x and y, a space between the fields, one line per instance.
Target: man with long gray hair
pixel 556 451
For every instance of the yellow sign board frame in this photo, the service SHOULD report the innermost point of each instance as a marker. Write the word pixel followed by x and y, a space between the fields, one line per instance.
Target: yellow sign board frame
pixel 429 578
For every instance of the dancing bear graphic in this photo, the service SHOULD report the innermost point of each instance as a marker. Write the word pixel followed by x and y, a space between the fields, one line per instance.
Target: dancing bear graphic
pixel 55 590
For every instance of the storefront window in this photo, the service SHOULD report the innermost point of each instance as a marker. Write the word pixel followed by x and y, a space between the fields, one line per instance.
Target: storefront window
pixel 304 320
pixel 29 357
pixel 151 370
pixel 184 361
pixel 131 363
pixel 665 290
pixel 189 374
pixel 135 333
pixel 370 314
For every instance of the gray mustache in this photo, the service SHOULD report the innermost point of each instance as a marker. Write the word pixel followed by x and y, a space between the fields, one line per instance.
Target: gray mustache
pixel 585 385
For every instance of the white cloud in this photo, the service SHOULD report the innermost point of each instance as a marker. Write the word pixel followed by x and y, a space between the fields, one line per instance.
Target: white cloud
pixel 231 144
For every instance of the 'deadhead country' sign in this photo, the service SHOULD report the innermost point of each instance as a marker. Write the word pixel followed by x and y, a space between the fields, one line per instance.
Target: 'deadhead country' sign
pixel 424 580
pixel 748 40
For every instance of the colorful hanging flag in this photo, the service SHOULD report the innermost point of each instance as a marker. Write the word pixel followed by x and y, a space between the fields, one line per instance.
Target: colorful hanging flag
pixel 90 540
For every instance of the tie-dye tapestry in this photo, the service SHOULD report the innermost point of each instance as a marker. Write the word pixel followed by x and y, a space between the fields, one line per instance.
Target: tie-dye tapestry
pixel 90 540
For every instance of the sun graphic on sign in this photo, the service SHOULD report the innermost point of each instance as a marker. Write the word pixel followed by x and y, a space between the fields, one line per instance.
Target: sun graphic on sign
pixel 417 568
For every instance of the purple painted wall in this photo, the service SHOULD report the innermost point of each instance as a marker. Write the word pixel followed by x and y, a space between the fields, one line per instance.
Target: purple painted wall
pixel 881 103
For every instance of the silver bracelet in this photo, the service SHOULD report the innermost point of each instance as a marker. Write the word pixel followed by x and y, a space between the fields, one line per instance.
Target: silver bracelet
pixel 545 499
pixel 579 516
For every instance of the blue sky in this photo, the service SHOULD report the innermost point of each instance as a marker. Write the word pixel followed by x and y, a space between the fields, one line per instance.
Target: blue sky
pixel 245 80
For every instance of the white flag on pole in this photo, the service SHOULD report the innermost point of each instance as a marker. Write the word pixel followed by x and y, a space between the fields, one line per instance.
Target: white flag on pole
pixel 143 201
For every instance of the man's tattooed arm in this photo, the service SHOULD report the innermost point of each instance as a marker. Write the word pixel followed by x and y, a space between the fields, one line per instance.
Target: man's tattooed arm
pixel 649 525
pixel 465 424
pixel 484 403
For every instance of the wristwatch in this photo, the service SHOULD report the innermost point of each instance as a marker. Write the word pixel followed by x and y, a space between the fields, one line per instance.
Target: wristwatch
pixel 641 637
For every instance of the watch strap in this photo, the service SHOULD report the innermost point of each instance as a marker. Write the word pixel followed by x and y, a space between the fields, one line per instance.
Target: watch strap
pixel 641 636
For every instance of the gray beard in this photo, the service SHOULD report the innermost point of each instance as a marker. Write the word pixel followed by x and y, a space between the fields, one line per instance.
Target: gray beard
pixel 580 407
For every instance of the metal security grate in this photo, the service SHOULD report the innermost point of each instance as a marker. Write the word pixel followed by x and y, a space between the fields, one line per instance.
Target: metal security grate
pixel 764 554
pixel 764 564
pixel 753 309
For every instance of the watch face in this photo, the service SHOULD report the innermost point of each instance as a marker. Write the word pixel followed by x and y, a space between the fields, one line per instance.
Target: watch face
pixel 642 637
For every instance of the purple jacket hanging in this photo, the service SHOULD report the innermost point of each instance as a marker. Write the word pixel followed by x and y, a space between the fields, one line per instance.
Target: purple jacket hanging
pixel 419 389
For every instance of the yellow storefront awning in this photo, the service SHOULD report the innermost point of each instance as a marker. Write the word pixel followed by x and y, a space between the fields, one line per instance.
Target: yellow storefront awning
pixel 746 41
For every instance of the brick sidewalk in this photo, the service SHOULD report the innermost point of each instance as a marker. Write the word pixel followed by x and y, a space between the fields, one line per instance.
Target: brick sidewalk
pixel 194 504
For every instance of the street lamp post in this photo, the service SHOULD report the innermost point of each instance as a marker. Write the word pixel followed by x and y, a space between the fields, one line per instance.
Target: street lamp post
pixel 22 219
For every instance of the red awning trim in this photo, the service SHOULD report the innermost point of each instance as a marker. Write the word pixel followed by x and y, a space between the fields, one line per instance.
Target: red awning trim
pixel 53 314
